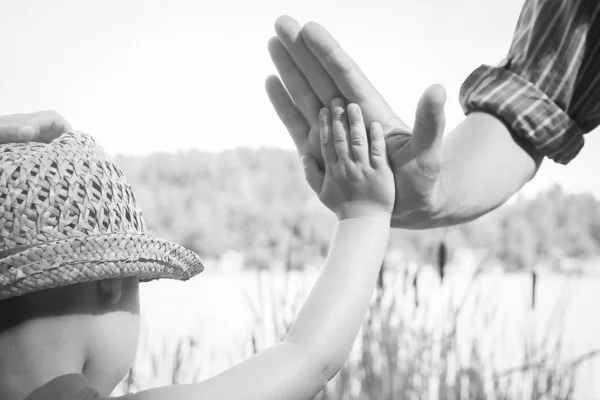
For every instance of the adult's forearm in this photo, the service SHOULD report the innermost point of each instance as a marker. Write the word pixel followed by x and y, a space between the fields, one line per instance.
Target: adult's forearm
pixel 483 167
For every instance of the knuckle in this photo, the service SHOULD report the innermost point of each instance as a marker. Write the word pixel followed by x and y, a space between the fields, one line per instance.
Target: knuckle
pixel 345 169
pixel 53 114
pixel 357 141
pixel 377 151
pixel 337 112
pixel 339 138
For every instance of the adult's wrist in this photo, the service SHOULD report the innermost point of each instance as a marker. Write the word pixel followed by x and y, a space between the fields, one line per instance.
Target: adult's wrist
pixel 441 208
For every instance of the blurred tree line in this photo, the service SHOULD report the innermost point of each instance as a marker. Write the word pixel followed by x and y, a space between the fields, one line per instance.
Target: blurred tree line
pixel 255 201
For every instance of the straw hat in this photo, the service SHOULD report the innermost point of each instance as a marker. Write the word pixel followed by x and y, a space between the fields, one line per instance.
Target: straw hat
pixel 68 215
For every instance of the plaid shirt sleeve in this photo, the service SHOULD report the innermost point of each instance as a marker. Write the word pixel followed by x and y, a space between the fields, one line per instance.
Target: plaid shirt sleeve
pixel 548 88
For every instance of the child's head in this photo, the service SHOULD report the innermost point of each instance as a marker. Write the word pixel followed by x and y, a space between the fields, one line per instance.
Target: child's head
pixel 73 249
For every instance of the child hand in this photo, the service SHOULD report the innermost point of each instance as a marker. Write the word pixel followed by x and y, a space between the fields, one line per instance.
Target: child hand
pixel 357 181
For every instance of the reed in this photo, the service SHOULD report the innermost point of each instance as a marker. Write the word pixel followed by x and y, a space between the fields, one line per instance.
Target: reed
pixel 438 343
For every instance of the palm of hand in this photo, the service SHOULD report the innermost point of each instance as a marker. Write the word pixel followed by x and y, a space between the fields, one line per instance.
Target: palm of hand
pixel 363 187
pixel 416 179
pixel 316 69
pixel 312 145
pixel 415 185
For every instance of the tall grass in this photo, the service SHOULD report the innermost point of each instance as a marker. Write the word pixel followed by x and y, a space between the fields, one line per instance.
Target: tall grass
pixel 438 343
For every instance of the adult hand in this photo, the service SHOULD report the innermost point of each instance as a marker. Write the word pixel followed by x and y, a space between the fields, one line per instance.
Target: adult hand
pixel 315 69
pixel 41 126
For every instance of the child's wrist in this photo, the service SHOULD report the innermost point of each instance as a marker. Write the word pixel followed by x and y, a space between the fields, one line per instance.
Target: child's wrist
pixel 346 214
pixel 362 209
pixel 366 222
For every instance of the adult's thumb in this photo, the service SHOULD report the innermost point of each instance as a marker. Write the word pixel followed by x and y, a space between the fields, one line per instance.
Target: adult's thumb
pixel 428 132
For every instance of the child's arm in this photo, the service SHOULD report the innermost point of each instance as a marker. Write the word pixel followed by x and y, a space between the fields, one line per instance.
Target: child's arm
pixel 358 186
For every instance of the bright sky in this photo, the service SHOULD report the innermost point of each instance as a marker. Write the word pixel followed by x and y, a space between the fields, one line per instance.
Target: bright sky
pixel 144 76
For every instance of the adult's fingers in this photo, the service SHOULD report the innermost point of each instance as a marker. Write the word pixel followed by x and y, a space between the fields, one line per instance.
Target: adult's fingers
pixel 347 75
pixel 17 133
pixel 41 126
pixel 289 32
pixel 287 111
pixel 302 93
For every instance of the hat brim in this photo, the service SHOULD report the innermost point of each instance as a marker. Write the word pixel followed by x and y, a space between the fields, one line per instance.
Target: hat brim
pixel 90 258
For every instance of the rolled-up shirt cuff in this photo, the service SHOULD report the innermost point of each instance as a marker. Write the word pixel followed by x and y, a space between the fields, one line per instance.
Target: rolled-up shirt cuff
pixel 525 109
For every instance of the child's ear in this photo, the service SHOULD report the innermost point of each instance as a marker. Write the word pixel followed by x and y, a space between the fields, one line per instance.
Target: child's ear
pixel 110 290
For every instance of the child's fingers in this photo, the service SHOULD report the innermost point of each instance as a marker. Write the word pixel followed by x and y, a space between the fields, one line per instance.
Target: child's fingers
pixel 314 175
pixel 327 148
pixel 339 124
pixel 358 135
pixel 378 152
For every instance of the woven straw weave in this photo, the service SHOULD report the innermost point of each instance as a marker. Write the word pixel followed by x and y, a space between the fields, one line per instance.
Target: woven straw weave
pixel 68 215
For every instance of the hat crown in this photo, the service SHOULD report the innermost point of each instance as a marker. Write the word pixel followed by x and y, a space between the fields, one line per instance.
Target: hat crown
pixel 66 189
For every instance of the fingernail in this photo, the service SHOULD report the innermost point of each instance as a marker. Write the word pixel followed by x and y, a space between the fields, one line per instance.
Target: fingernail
pixel 337 102
pixel 26 132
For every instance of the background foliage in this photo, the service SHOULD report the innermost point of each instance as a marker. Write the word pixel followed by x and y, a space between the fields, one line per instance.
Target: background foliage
pixel 257 203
